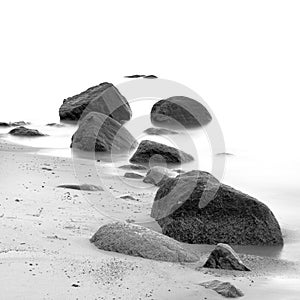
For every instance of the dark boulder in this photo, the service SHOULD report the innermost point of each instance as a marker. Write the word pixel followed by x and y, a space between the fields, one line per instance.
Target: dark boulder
pixel 225 289
pixel 134 76
pixel 98 132
pixel 83 187
pixel 133 175
pixel 196 208
pixel 136 240
pixel 4 124
pixel 23 131
pixel 103 98
pixel 179 111
pixel 224 257
pixel 150 77
pixel 149 151
pixel 159 131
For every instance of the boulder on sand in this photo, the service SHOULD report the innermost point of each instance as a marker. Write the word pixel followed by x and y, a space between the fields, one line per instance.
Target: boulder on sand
pixel 103 98
pixel 136 240
pixel 98 132
pixel 225 289
pixel 196 208
pixel 158 175
pixel 179 111
pixel 23 131
pixel 149 151
pixel 224 257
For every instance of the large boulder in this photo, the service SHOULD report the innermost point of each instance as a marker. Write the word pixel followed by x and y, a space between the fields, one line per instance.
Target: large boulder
pixel 225 289
pixel 224 257
pixel 179 110
pixel 136 240
pixel 149 151
pixel 103 98
pixel 196 208
pixel 158 175
pixel 98 132
pixel 23 131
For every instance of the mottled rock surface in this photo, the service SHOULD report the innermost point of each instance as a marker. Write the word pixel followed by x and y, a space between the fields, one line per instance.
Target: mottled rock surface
pixel 159 153
pixel 98 132
pixel 159 131
pixel 225 289
pixel 224 257
pixel 158 175
pixel 23 131
pixel 179 111
pixel 103 98
pixel 196 208
pixel 136 240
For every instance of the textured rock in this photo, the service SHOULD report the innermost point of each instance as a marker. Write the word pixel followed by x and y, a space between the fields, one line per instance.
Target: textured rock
pixel 23 131
pixel 133 175
pixel 98 132
pixel 158 175
pixel 225 289
pixel 134 167
pixel 139 241
pixel 103 98
pixel 83 187
pixel 196 208
pixel 224 257
pixel 179 109
pixel 159 131
pixel 158 153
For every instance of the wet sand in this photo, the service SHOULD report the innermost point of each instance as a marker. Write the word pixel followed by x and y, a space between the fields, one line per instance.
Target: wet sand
pixel 46 253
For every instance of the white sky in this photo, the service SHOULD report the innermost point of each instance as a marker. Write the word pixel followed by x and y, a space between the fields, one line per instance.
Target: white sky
pixel 242 57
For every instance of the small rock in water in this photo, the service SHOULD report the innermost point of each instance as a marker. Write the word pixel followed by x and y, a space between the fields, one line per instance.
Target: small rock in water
pixel 134 76
pixel 55 125
pixel 4 124
pixel 23 131
pixel 225 289
pixel 133 175
pixel 150 77
pixel 224 257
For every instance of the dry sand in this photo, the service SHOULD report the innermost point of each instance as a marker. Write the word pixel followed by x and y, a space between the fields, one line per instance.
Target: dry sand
pixel 45 251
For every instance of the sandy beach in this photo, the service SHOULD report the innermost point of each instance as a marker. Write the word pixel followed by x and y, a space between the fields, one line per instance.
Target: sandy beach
pixel 46 253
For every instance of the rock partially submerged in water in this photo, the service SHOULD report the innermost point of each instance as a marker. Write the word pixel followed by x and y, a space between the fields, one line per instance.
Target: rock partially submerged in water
pixel 13 124
pixel 98 132
pixel 133 175
pixel 196 208
pixel 134 76
pixel 149 151
pixel 158 175
pixel 55 125
pixel 103 98
pixel 83 187
pixel 224 257
pixel 23 131
pixel 225 289
pixel 134 167
pixel 179 111
pixel 136 240
pixel 159 131
pixel 150 77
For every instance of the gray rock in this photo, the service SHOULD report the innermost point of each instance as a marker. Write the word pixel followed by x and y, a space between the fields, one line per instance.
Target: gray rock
pixel 158 153
pixel 83 187
pixel 136 240
pixel 103 98
pixel 196 208
pixel 133 175
pixel 23 131
pixel 179 111
pixel 225 289
pixel 159 131
pixel 158 175
pixel 98 132
pixel 134 167
pixel 224 257
pixel 4 124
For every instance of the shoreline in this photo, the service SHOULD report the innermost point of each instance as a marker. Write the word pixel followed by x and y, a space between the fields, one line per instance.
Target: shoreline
pixel 46 231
